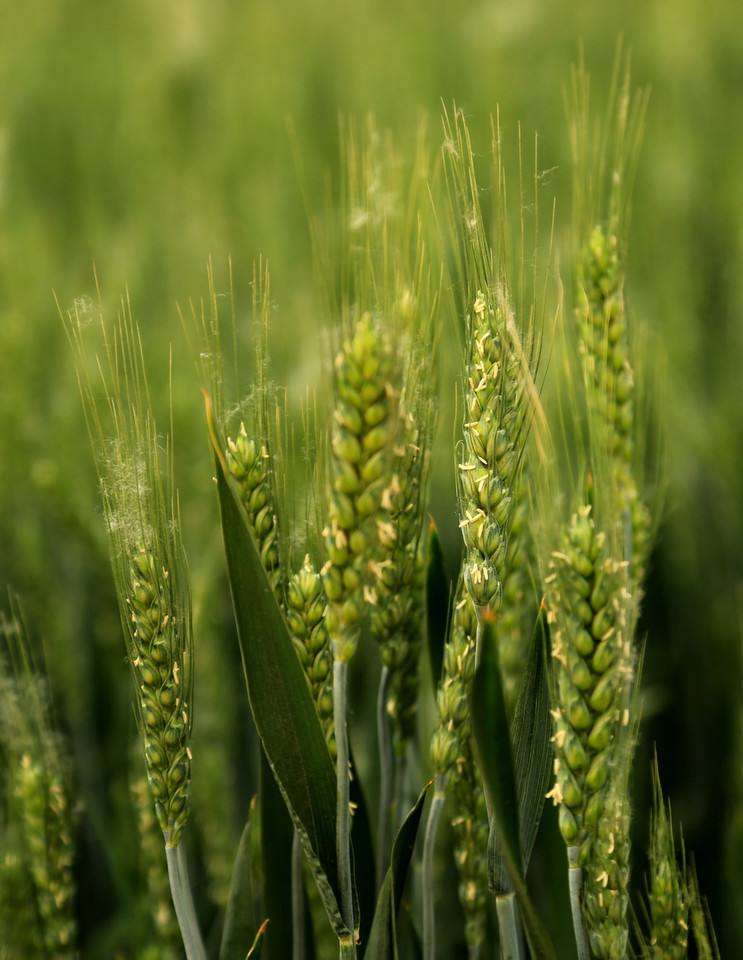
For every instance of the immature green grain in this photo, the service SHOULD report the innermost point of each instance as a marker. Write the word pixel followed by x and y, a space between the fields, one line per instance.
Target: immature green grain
pixel 471 828
pixel 450 745
pixel 515 623
pixel 604 345
pixel 359 445
pixel 249 463
pixel 397 612
pixel 306 613
pixel 701 923
pixel 20 934
pixel 586 612
pixel 167 943
pixel 456 771
pixel 42 798
pixel 667 900
pixel 159 657
pixel 606 876
pixel 493 439
pixel 40 792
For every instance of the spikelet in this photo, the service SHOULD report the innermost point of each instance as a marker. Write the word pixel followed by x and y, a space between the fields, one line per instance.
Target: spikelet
pixel 454 765
pixel 592 661
pixel 667 900
pixel 603 170
pixel 40 794
pixel 701 923
pixel 471 829
pixel 515 622
pixel 450 745
pixel 604 345
pixel 607 869
pixel 19 925
pixel 397 569
pixel 167 943
pixel 306 613
pixel 249 462
pixel 159 655
pixel 493 435
pixel 359 445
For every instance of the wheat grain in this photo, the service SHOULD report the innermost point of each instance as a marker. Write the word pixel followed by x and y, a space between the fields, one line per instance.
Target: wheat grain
pixel 306 613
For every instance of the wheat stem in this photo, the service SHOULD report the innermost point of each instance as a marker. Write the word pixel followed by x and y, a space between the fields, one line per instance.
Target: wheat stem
pixel 343 809
pixel 575 884
pixel 429 848
pixel 180 889
pixel 386 761
pixel 509 927
pixel 346 949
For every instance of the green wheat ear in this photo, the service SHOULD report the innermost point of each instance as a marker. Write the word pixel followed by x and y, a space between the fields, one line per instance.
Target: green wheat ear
pixel 140 502
pixel 667 897
pixel 607 873
pixel 19 927
pixel 41 806
pixel 306 618
pixel 456 772
pixel 397 581
pixel 592 661
pixel 360 454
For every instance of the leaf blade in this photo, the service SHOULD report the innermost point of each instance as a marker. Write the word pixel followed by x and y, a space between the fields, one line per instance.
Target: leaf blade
pixel 240 925
pixel 279 696
pixel 383 940
pixel 492 737
pixel 438 603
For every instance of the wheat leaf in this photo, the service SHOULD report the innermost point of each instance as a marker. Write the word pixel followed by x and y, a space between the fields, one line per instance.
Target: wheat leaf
pixel 279 696
pixel 438 602
pixel 495 758
pixel 383 939
pixel 240 926
pixel 530 733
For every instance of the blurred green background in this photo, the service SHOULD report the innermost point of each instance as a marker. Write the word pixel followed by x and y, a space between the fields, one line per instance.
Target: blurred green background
pixel 145 137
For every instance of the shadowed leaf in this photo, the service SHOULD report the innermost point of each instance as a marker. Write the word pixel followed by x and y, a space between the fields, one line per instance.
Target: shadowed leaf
pixel 383 939
pixel 495 758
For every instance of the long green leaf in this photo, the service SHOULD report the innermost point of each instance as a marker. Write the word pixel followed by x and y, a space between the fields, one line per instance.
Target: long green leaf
pixel 530 742
pixel 280 699
pixel 383 939
pixel 276 844
pixel 241 920
pixel 438 603
pixel 495 758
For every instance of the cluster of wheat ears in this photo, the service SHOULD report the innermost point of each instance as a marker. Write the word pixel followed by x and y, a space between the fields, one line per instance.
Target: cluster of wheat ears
pixel 530 652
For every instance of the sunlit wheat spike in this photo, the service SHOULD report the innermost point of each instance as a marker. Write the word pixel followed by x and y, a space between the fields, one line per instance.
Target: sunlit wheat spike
pixel 593 663
pixel 360 455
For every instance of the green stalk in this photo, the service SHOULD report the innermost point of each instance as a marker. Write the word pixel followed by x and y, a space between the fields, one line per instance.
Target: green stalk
pixel 347 949
pixel 299 950
pixel 180 889
pixel 429 848
pixel 386 760
pixel 343 808
pixel 575 884
pixel 509 927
